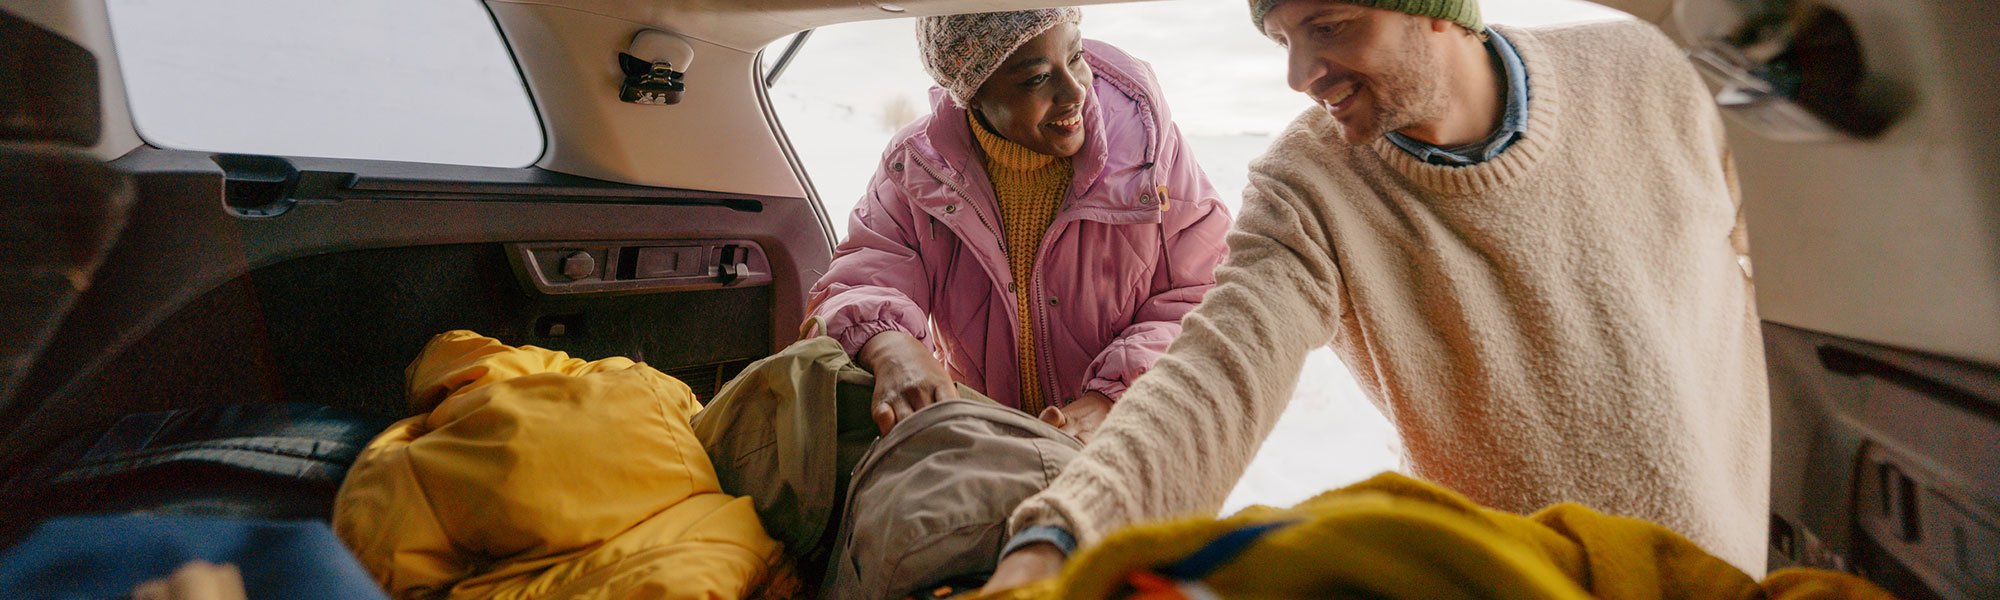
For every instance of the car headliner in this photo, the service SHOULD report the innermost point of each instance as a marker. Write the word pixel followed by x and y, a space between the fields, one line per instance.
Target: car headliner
pixel 748 25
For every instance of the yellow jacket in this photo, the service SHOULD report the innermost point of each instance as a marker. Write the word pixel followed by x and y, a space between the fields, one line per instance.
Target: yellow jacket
pixel 537 475
pixel 1396 537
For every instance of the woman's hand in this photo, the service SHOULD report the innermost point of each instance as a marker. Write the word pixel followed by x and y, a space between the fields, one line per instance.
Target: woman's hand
pixel 1081 417
pixel 907 377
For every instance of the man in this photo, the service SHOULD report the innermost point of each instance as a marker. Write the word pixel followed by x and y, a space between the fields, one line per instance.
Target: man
pixel 1527 246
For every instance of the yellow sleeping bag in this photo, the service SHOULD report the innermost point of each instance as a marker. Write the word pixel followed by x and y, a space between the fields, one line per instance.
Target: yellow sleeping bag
pixel 538 475
pixel 1396 537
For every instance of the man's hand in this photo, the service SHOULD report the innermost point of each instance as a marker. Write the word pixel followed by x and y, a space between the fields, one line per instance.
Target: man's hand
pixel 1081 417
pixel 907 377
pixel 1027 565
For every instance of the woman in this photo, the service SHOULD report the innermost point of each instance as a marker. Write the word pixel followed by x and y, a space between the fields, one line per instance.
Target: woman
pixel 1043 229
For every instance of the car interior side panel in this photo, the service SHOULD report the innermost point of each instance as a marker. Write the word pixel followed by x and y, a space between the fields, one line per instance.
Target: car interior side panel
pixel 327 300
pixel 1883 462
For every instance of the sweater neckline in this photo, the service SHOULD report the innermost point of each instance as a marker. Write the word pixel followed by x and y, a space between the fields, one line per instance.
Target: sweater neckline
pixel 1003 152
pixel 1543 133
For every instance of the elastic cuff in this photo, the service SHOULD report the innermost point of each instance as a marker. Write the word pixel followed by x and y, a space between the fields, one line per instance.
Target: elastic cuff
pixel 1041 533
pixel 857 335
pixel 1111 388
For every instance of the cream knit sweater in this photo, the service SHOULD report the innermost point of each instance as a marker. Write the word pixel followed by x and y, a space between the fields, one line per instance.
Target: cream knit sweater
pixel 1568 322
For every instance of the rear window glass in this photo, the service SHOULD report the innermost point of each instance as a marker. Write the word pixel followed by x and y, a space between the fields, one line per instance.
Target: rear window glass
pixel 374 79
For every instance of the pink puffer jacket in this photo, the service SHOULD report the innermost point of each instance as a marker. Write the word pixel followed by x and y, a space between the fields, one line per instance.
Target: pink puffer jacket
pixel 1119 266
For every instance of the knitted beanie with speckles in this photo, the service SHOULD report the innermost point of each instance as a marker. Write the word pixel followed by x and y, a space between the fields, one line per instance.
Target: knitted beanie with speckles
pixel 961 51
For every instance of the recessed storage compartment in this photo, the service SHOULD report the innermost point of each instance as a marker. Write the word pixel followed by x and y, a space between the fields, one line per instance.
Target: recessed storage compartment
pixel 596 267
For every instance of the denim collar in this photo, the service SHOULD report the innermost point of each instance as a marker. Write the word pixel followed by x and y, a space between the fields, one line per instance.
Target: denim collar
pixel 1513 121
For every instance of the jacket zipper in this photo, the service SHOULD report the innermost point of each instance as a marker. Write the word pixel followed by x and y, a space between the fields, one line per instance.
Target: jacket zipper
pixel 1044 372
pixel 1037 293
pixel 969 203
pixel 1043 377
pixel 1036 290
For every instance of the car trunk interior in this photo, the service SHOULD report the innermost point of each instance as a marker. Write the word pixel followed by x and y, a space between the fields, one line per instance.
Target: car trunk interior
pixel 328 301
pixel 153 279
pixel 229 279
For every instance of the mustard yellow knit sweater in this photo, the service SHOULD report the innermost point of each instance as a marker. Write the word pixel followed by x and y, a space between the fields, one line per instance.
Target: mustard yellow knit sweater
pixel 1029 186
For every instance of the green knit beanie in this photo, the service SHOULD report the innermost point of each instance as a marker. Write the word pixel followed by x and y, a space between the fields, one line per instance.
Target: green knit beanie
pixel 1462 12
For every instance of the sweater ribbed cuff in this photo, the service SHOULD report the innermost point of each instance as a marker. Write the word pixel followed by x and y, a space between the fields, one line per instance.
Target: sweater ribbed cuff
pixel 1058 508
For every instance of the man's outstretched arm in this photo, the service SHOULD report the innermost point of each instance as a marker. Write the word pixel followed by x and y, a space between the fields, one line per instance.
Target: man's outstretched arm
pixel 1186 430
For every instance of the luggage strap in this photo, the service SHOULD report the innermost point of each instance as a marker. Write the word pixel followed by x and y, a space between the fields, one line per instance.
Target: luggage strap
pixel 1220 551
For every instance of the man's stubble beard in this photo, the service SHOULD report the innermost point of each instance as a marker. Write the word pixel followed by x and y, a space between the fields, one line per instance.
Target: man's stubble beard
pixel 1404 95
